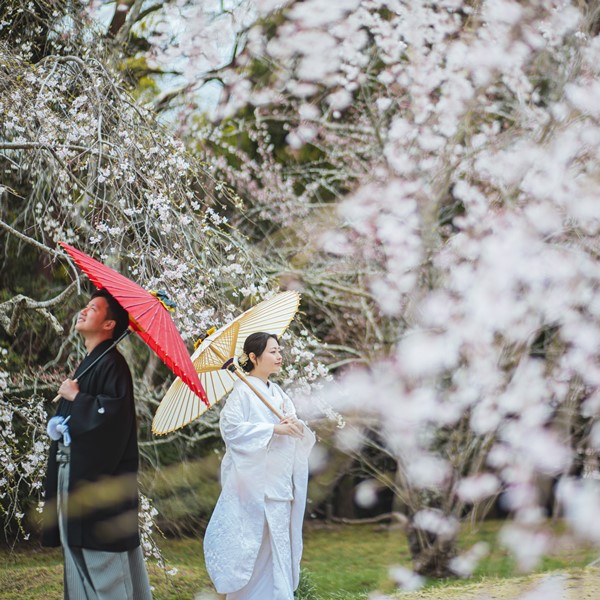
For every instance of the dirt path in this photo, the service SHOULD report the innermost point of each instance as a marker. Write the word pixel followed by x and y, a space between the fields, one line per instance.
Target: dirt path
pixel 576 584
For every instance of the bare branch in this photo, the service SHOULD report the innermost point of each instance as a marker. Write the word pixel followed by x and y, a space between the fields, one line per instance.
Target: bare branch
pixel 18 304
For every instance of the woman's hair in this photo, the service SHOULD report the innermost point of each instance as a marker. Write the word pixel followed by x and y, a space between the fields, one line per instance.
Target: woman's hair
pixel 255 342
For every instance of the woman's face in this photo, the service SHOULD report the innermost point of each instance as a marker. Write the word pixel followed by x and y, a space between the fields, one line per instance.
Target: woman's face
pixel 270 361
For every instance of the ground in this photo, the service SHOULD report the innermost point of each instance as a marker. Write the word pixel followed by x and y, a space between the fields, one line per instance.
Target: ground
pixel 341 563
pixel 574 584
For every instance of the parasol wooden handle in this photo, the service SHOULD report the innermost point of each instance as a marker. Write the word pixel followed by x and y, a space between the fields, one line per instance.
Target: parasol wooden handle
pixel 265 401
pixel 238 372
pixel 57 397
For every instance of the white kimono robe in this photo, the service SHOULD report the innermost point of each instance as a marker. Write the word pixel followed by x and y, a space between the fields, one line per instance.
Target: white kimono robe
pixel 264 480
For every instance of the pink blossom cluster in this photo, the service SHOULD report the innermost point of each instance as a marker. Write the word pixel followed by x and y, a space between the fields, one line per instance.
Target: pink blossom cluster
pixel 462 144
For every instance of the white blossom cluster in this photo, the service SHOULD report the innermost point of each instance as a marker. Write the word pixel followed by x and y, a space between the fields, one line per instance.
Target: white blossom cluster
pixel 107 180
pixel 23 452
pixel 196 38
pixel 147 525
pixel 87 164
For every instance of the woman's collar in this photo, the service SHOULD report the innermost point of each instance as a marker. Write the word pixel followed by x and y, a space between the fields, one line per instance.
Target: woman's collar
pixel 267 384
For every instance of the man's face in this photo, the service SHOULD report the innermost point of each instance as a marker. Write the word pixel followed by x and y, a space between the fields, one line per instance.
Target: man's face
pixel 93 319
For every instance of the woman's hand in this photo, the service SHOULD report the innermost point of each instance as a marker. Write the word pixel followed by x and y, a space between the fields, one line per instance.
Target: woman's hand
pixel 290 426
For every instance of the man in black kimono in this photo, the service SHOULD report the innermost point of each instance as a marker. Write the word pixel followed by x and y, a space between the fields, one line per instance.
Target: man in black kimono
pixel 91 496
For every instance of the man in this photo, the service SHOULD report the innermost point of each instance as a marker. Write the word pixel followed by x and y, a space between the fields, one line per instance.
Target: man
pixel 91 505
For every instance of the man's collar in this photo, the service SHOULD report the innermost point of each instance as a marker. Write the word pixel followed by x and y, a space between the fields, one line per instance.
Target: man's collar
pixel 101 347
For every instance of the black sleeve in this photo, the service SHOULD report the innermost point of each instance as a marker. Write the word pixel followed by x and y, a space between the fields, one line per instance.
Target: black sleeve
pixel 109 390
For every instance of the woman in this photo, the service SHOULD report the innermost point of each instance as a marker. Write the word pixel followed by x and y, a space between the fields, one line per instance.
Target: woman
pixel 253 543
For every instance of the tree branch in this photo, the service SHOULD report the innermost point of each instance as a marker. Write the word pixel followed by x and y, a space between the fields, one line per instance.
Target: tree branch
pixel 20 303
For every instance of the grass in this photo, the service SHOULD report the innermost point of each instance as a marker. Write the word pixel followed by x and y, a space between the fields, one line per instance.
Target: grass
pixel 339 563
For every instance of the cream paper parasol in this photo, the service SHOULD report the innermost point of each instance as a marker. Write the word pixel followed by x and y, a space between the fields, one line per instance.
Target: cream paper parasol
pixel 216 364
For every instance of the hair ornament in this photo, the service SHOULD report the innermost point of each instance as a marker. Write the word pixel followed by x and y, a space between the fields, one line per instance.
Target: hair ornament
pixel 243 359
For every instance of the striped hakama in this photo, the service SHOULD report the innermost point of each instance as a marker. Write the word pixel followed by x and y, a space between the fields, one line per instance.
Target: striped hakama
pixel 95 574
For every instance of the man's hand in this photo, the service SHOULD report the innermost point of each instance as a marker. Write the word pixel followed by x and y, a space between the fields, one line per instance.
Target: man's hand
pixel 68 389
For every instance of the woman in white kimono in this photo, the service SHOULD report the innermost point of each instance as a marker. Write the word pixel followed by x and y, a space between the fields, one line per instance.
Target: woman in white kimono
pixel 253 543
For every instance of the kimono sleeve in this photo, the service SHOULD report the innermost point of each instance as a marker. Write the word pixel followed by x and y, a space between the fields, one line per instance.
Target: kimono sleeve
pixel 241 428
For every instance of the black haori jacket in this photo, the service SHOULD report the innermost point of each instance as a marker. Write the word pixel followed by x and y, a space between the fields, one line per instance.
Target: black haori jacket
pixel 103 496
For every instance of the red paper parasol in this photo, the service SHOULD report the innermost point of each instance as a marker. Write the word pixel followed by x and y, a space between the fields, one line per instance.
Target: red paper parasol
pixel 148 317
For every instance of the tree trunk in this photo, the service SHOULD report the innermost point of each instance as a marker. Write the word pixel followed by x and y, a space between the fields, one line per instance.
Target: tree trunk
pixel 431 554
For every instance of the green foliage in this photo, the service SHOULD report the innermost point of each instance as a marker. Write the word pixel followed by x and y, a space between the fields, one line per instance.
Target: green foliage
pixel 137 72
pixel 307 589
pixel 184 493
